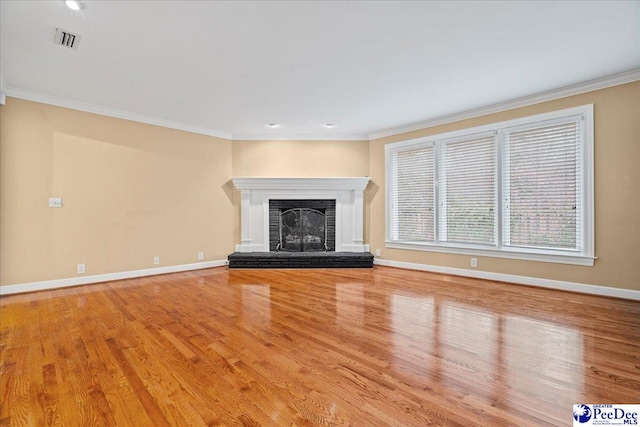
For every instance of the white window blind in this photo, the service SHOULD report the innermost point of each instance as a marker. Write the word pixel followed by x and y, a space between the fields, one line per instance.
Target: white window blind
pixel 467 190
pixel 542 186
pixel 411 216
pixel 519 189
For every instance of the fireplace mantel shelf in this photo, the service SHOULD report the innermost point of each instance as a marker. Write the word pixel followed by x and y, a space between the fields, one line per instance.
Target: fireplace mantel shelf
pixel 280 183
pixel 256 192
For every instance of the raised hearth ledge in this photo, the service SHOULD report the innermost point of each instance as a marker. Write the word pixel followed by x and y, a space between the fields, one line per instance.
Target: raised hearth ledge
pixel 255 193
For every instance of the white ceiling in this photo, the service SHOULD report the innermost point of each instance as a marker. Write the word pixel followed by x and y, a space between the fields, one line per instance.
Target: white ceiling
pixel 229 68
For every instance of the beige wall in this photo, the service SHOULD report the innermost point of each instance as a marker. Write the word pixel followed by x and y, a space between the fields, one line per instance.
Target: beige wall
pixel 300 159
pixel 617 194
pixel 130 192
pixel 133 191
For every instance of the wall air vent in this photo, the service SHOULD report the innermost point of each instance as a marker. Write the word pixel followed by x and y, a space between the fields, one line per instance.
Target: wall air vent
pixel 66 38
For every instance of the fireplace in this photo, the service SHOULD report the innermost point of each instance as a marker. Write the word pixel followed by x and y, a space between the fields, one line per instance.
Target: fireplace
pixel 302 225
pixel 340 199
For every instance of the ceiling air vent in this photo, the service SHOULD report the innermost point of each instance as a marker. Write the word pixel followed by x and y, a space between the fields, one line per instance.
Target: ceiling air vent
pixel 66 38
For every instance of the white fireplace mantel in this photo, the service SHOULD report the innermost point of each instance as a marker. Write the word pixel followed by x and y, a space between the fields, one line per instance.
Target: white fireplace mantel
pixel 255 193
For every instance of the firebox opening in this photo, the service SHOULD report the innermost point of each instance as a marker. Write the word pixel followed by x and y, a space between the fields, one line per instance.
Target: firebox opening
pixel 302 225
pixel 302 229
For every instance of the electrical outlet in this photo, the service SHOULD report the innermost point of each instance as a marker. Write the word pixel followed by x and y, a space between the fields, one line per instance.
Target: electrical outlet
pixel 55 202
pixel 200 256
pixel 156 260
pixel 81 269
pixel 474 262
pixel 377 252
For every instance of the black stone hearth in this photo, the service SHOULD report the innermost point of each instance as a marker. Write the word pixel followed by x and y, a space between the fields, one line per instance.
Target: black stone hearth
pixel 300 260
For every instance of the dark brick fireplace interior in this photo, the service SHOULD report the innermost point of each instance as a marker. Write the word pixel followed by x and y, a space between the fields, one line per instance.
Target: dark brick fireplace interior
pixel 302 225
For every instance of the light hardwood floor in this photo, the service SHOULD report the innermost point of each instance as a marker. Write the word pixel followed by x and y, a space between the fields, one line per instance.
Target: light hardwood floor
pixel 312 347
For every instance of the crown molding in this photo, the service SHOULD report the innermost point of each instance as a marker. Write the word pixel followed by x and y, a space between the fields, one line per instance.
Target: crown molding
pixel 110 112
pixel 588 86
pixel 591 85
pixel 299 137
pixel 126 115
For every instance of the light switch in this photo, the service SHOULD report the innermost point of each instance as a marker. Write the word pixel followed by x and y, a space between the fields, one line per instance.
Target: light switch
pixel 55 202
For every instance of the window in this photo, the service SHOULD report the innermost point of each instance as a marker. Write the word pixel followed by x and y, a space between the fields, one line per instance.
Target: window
pixel 541 178
pixel 412 218
pixel 518 189
pixel 467 190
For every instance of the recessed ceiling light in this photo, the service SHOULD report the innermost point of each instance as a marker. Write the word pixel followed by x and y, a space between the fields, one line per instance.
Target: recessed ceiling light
pixel 273 125
pixel 74 4
pixel 329 125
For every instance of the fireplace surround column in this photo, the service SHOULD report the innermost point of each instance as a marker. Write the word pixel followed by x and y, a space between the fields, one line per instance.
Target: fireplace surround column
pixel 245 212
pixel 358 212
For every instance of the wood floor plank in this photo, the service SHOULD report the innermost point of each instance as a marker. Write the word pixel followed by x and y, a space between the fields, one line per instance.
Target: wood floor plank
pixel 366 347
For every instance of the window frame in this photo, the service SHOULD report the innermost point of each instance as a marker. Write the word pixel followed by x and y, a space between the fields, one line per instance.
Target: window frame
pixel 585 257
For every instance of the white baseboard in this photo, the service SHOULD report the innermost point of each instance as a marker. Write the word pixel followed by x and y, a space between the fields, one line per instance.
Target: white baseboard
pixel 84 280
pixel 520 280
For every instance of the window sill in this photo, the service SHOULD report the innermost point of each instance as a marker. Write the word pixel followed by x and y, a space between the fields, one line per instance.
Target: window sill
pixel 496 253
